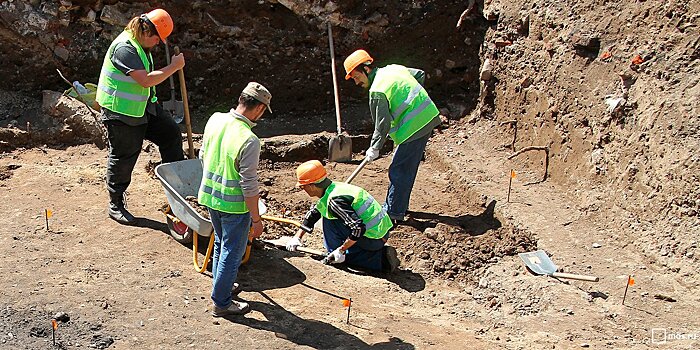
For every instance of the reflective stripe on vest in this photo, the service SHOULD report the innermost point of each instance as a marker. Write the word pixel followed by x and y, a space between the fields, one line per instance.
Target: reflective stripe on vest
pixel 224 138
pixel 118 92
pixel 410 106
pixel 377 222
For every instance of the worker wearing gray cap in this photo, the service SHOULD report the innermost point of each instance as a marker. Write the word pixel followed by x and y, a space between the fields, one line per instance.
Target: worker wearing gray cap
pixel 230 153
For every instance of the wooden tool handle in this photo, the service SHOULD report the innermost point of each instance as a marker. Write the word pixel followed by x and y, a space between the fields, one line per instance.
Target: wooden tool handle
pixel 183 92
pixel 335 82
pixel 357 171
pixel 575 277
pixel 311 251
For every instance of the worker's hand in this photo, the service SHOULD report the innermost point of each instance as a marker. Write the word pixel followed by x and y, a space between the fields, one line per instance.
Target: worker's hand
pixel 178 61
pixel 257 229
pixel 337 256
pixel 293 244
pixel 372 154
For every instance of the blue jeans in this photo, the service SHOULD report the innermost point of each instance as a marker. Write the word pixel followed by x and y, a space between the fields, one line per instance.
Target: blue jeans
pixel 402 175
pixel 365 253
pixel 231 238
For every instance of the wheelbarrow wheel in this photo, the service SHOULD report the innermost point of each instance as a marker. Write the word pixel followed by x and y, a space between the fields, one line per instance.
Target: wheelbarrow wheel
pixel 180 232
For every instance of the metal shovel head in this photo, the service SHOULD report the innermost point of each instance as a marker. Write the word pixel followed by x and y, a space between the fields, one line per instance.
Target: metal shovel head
pixel 538 262
pixel 340 149
pixel 279 242
pixel 176 108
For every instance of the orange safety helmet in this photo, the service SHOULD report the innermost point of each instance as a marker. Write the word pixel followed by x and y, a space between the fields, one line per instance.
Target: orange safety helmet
pixel 310 172
pixel 162 21
pixel 355 59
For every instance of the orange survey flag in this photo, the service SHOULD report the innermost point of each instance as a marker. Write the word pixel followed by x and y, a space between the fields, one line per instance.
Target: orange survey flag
pixel 346 302
pixel 49 213
pixel 54 324
pixel 512 174
pixel 631 281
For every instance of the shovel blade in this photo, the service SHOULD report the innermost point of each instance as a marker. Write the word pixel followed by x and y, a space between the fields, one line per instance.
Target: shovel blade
pixel 176 108
pixel 538 262
pixel 340 149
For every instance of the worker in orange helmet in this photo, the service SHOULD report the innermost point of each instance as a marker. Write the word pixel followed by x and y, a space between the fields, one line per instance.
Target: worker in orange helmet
pixel 126 92
pixel 402 110
pixel 355 226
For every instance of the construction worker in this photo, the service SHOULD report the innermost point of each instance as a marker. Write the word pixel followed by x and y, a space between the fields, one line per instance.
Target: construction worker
pixel 402 110
pixel 126 92
pixel 355 227
pixel 230 153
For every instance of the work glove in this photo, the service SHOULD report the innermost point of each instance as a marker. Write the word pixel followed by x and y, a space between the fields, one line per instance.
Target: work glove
pixel 371 154
pixel 337 256
pixel 293 244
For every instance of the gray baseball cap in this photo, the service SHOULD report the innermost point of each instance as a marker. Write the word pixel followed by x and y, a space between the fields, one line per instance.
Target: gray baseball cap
pixel 259 92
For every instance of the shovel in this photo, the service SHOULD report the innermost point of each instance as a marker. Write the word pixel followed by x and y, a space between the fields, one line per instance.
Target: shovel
pixel 339 146
pixel 183 92
pixel 282 241
pixel 540 264
pixel 176 108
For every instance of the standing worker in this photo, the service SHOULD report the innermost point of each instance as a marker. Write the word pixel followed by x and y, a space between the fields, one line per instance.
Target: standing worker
pixel 402 110
pixel 355 226
pixel 126 92
pixel 230 154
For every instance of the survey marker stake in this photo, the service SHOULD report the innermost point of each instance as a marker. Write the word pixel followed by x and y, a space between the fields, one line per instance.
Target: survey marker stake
pixel 630 282
pixel 54 326
pixel 347 303
pixel 510 182
pixel 47 214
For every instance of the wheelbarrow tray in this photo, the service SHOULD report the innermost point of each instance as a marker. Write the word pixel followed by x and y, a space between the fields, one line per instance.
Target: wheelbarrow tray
pixel 179 180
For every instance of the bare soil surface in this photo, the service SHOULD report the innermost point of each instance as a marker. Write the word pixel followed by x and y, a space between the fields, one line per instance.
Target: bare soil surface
pixel 461 284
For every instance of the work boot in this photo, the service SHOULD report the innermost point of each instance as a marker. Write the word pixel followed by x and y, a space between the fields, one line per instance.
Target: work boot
pixel 118 212
pixel 391 259
pixel 236 308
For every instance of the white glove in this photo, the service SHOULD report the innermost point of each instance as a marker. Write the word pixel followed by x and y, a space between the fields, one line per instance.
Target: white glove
pixel 337 256
pixel 293 244
pixel 372 154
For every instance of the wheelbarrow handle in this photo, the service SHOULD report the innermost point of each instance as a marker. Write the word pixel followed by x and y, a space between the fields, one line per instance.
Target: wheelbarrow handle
pixel 572 276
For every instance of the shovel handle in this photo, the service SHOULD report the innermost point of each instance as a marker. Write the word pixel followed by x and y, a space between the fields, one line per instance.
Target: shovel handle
pixel 183 92
pixel 172 82
pixel 335 82
pixel 572 276
pixel 357 170
pixel 311 251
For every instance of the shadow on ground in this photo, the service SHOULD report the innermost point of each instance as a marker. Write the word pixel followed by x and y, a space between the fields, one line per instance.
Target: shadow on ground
pixel 305 332
pixel 472 225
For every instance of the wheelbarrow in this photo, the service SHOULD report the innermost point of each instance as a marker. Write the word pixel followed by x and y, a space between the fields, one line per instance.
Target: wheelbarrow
pixel 179 180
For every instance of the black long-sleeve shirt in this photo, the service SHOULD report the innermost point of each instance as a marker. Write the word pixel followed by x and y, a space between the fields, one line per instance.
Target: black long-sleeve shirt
pixel 340 207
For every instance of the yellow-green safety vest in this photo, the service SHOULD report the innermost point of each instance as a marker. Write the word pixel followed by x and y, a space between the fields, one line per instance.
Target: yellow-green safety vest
pixel 118 92
pixel 224 137
pixel 377 222
pixel 410 106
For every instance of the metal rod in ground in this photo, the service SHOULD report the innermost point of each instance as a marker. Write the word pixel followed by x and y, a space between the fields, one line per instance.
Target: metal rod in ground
pixel 347 321
pixel 510 182
pixel 46 216
pixel 626 287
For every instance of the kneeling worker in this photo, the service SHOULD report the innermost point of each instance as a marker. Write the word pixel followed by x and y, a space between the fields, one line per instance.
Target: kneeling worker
pixel 355 227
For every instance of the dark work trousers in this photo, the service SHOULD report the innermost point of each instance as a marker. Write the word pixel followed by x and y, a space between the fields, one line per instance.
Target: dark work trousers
pixel 366 253
pixel 125 144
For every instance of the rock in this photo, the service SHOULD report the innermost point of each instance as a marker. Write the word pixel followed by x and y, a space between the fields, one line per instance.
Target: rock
pixel 584 345
pixel 449 64
pixel 61 52
pixel 596 245
pixel 483 282
pixel 61 317
pixel 486 72
pixel 432 233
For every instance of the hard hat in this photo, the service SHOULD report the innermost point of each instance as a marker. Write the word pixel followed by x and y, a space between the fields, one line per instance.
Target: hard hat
pixel 310 172
pixel 162 21
pixel 355 59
